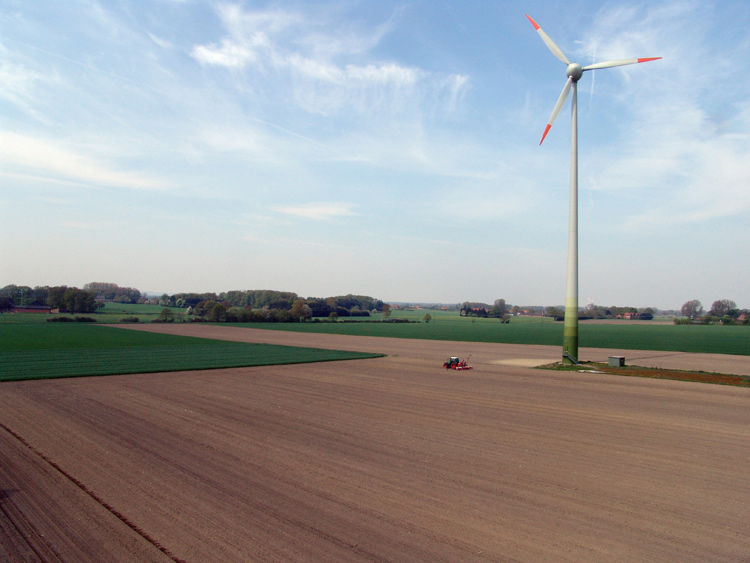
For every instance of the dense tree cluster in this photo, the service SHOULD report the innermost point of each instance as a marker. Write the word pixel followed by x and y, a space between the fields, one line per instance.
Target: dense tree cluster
pixel 482 310
pixel 724 311
pixel 260 298
pixel 25 295
pixel 692 309
pixel 73 300
pixel 70 299
pixel 499 310
pixel 278 309
pixel 593 311
pixel 112 292
pixel 185 300
pixel 724 307
pixel 473 309
pixel 344 306
pixel 268 306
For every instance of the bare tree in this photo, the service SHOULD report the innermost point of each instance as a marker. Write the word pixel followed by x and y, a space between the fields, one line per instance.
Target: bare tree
pixel 722 307
pixel 692 309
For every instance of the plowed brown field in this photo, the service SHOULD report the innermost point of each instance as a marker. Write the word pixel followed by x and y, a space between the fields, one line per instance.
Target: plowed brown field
pixel 390 459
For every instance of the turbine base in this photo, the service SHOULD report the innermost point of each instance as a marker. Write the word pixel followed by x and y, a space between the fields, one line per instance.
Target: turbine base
pixel 569 360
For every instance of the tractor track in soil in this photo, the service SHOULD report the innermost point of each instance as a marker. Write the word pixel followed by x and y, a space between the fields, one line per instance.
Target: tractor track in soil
pixel 85 490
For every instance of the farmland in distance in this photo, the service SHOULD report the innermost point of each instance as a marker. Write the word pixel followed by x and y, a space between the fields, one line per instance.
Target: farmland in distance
pixel 708 339
pixel 449 325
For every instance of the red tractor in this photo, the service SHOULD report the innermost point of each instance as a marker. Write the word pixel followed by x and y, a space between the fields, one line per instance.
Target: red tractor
pixel 458 365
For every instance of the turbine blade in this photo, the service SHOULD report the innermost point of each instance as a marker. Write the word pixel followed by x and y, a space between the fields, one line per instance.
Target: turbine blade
pixel 558 107
pixel 610 64
pixel 551 44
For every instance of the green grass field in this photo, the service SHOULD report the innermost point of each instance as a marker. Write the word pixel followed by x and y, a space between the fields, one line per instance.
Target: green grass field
pixel 43 351
pixel 111 313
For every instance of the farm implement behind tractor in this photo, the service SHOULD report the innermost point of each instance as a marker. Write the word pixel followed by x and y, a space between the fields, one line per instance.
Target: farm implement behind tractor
pixel 455 363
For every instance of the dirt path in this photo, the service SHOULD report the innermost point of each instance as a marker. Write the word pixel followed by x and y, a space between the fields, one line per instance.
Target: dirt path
pixel 391 459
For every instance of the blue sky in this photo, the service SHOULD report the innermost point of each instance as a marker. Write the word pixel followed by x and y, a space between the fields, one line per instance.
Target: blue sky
pixel 381 148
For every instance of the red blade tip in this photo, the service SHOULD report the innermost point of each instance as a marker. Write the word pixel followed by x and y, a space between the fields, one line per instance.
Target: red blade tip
pixel 536 26
pixel 648 59
pixel 546 130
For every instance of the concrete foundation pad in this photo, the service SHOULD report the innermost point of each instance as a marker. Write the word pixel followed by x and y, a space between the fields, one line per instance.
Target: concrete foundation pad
pixel 522 362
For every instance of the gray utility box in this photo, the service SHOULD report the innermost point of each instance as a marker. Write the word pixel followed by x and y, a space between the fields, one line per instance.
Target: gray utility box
pixel 617 361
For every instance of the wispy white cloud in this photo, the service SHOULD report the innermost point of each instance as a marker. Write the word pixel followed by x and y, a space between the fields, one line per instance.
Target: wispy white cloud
pixel 322 211
pixel 21 84
pixel 248 40
pixel 86 226
pixel 326 70
pixel 56 201
pixel 228 53
pixel 45 158
pixel 163 43
pixel 17 81
pixel 673 152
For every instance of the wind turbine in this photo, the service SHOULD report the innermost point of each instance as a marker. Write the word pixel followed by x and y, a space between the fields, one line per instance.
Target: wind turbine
pixel 574 72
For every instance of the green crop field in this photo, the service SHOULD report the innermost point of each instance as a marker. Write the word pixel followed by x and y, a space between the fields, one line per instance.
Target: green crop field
pixel 43 351
pixel 449 325
pixel 133 309
pixel 710 339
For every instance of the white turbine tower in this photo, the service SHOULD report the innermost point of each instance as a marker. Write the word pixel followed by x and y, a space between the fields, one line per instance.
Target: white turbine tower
pixel 574 73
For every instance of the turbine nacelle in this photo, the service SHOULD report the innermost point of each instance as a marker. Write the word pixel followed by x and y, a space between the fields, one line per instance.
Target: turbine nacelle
pixel 574 72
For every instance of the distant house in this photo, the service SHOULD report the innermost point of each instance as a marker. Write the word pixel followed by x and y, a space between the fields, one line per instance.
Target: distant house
pixel 630 316
pixel 31 309
pixel 474 312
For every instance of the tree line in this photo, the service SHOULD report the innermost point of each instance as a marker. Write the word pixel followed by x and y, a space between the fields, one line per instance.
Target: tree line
pixel 593 311
pixel 72 299
pixel 281 306
pixel 724 311
pixel 279 310
pixel 62 297
pixel 242 306
pixel 113 292
pixel 501 310
pixel 342 305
